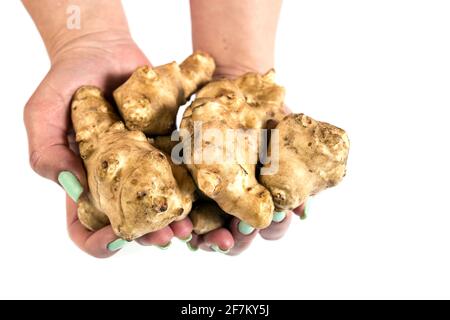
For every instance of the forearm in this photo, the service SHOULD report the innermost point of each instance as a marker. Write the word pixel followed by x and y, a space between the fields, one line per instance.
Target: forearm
pixel 99 18
pixel 239 34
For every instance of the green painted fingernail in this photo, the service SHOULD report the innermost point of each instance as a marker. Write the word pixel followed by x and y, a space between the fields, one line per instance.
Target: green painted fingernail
pixel 190 247
pixel 217 249
pixel 117 245
pixel 71 185
pixel 245 228
pixel 306 210
pixel 167 246
pixel 279 216
pixel 187 239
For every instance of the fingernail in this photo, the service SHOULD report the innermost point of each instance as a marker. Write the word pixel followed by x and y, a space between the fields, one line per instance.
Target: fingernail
pixel 167 246
pixel 117 245
pixel 279 216
pixel 190 247
pixel 306 210
pixel 217 249
pixel 187 239
pixel 71 185
pixel 245 228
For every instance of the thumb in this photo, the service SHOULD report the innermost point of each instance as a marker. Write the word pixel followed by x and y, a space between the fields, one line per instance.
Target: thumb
pixel 47 120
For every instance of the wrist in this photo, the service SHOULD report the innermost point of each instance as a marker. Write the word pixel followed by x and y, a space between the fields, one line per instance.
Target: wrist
pixel 100 41
pixel 234 70
pixel 68 24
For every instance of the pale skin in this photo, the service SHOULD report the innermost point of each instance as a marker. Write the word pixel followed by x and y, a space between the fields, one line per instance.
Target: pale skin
pixel 240 35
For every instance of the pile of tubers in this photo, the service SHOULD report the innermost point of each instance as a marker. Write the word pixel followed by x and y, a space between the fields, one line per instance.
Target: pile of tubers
pixel 136 186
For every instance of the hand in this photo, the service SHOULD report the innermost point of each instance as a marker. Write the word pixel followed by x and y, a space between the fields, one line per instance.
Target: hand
pixel 238 236
pixel 106 61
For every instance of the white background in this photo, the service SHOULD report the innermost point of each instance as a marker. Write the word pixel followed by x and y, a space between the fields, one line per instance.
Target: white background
pixel 380 69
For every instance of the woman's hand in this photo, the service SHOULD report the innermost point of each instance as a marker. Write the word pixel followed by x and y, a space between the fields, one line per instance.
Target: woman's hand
pixel 238 236
pixel 104 60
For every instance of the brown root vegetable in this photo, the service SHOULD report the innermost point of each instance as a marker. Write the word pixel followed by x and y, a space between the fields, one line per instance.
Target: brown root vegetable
pixel 130 181
pixel 207 217
pixel 312 154
pixel 248 102
pixel 136 186
pixel 149 100
pixel 312 157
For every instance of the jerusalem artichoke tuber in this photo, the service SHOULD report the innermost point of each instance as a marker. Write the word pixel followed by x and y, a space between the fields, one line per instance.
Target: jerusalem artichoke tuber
pixel 149 100
pixel 135 185
pixel 206 216
pixel 312 155
pixel 245 103
pixel 130 181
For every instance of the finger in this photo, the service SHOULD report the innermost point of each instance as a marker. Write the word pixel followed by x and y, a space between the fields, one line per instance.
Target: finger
pixel 182 229
pixel 50 162
pixel 94 243
pixel 161 238
pixel 47 120
pixel 243 235
pixel 277 228
pixel 302 211
pixel 195 242
pixel 220 240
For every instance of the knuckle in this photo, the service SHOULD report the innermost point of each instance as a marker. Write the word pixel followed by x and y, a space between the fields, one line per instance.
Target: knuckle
pixel 36 161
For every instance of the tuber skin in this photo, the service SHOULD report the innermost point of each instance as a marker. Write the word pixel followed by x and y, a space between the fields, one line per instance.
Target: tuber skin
pixel 265 98
pixel 149 100
pixel 247 102
pixel 89 216
pixel 207 217
pixel 180 173
pixel 164 143
pixel 312 157
pixel 130 181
